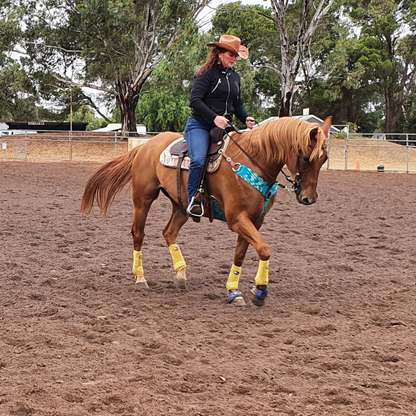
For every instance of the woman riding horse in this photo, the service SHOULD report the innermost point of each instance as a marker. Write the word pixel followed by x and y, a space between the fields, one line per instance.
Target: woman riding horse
pixel 215 97
pixel 244 188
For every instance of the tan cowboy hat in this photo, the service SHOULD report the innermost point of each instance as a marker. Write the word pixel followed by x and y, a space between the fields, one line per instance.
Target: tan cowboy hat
pixel 231 43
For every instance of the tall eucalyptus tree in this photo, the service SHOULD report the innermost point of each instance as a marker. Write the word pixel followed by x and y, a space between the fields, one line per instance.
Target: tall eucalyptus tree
pixel 17 95
pixel 111 46
pixel 388 50
pixel 297 21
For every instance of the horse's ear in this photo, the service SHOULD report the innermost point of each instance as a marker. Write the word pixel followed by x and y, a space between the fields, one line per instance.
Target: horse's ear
pixel 326 125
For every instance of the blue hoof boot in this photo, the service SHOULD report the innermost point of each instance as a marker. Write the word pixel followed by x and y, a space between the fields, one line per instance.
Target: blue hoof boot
pixel 236 298
pixel 259 295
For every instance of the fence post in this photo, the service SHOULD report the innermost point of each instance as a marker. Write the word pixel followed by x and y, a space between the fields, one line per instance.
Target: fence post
pixel 346 150
pixel 70 146
pixel 407 153
pixel 25 144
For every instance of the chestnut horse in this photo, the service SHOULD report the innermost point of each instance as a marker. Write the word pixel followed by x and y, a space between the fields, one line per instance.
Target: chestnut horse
pixel 241 200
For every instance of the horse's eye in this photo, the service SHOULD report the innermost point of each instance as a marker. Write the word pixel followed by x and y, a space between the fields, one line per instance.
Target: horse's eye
pixel 306 159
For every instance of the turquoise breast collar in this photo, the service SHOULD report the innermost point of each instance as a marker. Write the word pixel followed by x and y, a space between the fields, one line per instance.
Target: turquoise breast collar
pixel 257 182
pixel 254 180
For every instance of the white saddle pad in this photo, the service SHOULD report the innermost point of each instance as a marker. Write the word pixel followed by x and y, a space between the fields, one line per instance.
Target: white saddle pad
pixel 171 161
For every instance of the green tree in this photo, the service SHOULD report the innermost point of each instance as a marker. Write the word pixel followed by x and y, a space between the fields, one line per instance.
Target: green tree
pixel 345 84
pixel 17 99
pixel 85 114
pixel 9 31
pixel 254 25
pixel 17 95
pixel 110 46
pixel 297 22
pixel 165 105
pixel 388 50
pixel 409 116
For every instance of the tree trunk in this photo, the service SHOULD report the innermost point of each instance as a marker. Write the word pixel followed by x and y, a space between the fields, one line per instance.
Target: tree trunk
pixel 286 105
pixel 388 125
pixel 127 98
pixel 128 121
pixel 293 48
pixel 394 102
pixel 352 104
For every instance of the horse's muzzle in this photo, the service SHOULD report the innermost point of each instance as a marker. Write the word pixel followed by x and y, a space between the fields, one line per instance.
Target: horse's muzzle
pixel 306 200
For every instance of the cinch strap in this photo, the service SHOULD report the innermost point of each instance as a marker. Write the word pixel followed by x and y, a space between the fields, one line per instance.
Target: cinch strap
pixel 177 258
pixel 137 268
pixel 262 276
pixel 234 275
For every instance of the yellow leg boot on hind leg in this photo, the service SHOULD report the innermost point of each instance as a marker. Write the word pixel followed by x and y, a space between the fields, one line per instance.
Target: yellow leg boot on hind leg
pixel 179 266
pixel 137 270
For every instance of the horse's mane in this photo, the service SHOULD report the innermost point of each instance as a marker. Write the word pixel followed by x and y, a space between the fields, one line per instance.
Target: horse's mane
pixel 275 139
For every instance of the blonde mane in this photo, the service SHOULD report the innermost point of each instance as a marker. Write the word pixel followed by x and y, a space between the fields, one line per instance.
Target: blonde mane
pixel 276 139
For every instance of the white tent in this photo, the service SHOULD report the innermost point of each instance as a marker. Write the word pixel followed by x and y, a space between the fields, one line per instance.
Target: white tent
pixel 141 128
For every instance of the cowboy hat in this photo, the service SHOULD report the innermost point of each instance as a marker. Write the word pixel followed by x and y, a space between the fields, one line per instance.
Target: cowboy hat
pixel 231 43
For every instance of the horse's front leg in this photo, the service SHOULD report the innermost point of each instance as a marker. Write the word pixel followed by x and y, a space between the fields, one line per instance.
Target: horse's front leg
pixel 235 297
pixel 248 232
pixel 170 233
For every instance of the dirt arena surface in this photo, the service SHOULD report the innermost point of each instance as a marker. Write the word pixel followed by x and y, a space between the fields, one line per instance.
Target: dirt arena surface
pixel 336 336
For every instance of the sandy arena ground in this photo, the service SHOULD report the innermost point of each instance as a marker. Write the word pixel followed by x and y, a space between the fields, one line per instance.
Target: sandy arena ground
pixel 336 336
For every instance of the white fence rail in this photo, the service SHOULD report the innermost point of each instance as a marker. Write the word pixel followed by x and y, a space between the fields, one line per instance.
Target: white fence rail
pixel 373 152
pixel 65 146
pixel 369 152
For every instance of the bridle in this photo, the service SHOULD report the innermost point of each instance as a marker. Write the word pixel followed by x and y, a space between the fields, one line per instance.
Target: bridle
pixel 295 182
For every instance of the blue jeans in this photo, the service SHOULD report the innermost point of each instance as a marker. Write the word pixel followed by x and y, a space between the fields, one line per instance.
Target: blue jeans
pixel 197 139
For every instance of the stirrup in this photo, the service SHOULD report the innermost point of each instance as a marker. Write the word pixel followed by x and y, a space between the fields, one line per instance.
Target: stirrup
pixel 195 205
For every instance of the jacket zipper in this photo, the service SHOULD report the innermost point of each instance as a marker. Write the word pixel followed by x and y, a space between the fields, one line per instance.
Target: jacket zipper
pixel 228 96
pixel 218 83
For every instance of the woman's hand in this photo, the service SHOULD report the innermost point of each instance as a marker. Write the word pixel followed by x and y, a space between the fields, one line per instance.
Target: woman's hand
pixel 250 122
pixel 221 121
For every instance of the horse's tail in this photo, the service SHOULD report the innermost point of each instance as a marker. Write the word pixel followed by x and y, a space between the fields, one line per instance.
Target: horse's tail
pixel 107 181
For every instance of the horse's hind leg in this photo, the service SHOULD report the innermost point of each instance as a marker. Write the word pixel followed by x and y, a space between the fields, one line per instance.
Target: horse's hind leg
pixel 141 209
pixel 170 233
pixel 235 297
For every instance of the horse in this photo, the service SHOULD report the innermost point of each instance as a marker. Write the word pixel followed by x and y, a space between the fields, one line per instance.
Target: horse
pixel 243 189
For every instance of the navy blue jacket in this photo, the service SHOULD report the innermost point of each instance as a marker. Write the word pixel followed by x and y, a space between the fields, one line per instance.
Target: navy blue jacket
pixel 217 92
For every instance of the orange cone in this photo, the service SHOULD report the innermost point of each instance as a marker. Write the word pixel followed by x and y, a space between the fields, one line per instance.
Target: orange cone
pixel 357 166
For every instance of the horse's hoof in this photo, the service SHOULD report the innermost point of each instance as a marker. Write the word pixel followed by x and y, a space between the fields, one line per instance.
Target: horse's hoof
pixel 235 298
pixel 238 301
pixel 180 279
pixel 141 283
pixel 180 283
pixel 256 301
pixel 258 295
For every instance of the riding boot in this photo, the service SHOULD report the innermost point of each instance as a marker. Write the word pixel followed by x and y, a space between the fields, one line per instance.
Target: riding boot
pixel 195 207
